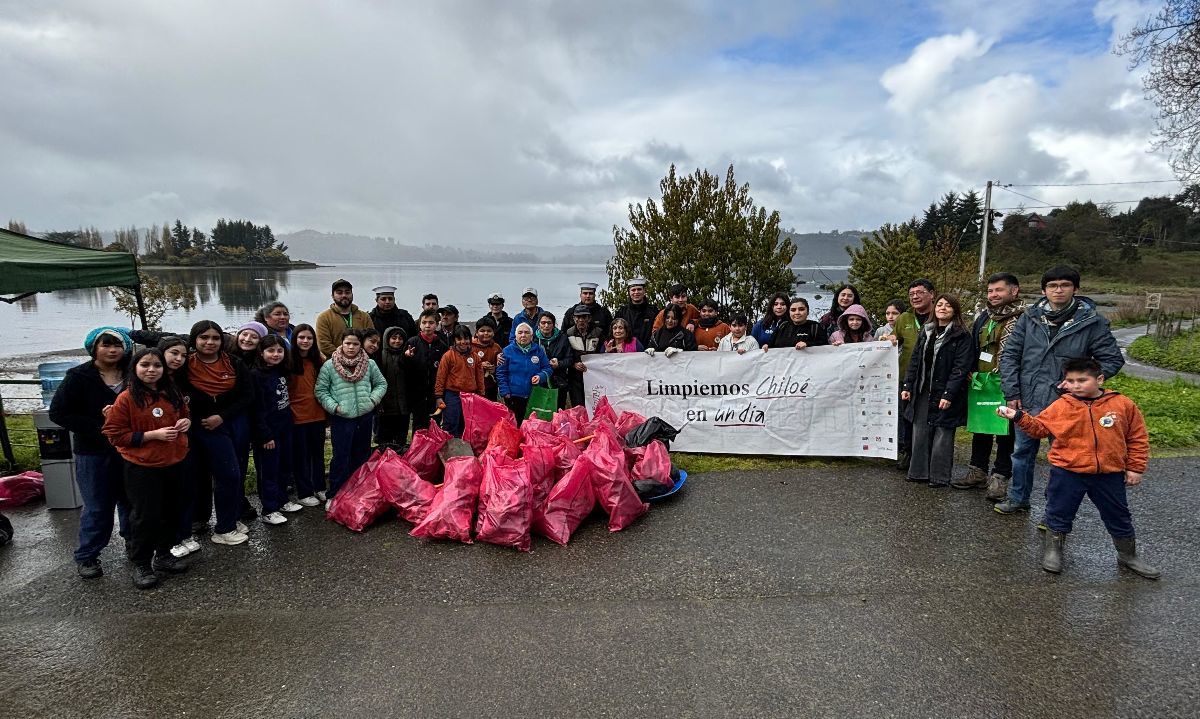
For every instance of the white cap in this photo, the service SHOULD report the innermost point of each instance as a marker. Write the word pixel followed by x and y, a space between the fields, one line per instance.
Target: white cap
pixel 384 290
pixel 637 282
pixel 529 291
pixel 588 286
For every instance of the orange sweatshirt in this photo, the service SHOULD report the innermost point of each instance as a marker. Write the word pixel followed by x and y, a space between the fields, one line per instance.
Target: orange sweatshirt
pixel 302 392
pixel 459 372
pixel 710 337
pixel 691 315
pixel 126 426
pixel 1105 435
pixel 486 354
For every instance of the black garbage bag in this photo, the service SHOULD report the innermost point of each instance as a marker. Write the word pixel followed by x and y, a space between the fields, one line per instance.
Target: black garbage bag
pixel 6 530
pixel 650 430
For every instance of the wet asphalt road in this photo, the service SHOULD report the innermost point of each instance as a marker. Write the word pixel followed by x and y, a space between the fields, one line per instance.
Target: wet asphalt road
pixel 828 591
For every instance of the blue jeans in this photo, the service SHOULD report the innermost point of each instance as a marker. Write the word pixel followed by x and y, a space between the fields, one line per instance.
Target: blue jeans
pixel 101 481
pixel 308 458
pixel 216 454
pixel 1024 459
pixel 1067 489
pixel 452 416
pixel 351 439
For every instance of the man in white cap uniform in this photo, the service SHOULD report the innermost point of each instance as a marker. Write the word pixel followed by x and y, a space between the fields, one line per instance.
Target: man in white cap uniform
pixel 601 317
pixel 386 314
pixel 639 312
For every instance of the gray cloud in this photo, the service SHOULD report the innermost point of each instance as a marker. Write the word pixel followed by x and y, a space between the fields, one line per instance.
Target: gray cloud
pixel 483 122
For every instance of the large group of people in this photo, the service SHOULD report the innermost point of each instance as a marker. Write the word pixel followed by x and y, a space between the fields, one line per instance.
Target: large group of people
pixel 163 436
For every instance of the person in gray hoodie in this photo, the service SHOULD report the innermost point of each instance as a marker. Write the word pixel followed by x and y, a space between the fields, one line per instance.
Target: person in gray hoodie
pixel 1062 325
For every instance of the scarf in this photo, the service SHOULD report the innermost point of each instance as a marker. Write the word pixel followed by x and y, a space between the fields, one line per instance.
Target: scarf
pixel 1001 319
pixel 709 322
pixel 1053 319
pixel 550 337
pixel 351 370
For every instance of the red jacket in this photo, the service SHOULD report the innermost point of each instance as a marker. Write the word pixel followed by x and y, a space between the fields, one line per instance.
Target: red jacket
pixel 1105 435
pixel 127 424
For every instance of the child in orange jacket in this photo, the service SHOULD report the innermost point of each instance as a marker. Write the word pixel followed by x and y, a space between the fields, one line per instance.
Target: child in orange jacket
pixel 148 425
pixel 1100 446
pixel 459 371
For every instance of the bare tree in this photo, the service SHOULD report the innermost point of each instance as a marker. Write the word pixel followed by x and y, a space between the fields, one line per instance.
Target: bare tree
pixel 1169 43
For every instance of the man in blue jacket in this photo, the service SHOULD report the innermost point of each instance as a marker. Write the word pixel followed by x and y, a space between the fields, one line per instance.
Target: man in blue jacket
pixel 1061 326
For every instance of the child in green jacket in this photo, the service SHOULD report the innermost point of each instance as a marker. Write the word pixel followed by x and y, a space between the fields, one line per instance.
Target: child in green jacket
pixel 349 387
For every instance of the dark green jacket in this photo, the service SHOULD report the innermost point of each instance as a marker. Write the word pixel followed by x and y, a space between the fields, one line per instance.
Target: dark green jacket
pixel 908 331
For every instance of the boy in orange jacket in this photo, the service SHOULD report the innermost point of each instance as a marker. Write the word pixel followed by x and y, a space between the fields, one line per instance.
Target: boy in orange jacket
pixel 459 371
pixel 1100 446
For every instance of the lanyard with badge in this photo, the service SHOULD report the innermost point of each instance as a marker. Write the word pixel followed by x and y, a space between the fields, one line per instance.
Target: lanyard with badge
pixel 988 357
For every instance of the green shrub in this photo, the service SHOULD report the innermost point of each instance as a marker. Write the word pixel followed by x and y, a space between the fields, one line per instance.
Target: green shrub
pixel 1171 408
pixel 1181 353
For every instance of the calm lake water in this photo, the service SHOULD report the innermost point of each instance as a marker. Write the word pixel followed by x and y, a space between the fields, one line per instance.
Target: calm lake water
pixel 51 322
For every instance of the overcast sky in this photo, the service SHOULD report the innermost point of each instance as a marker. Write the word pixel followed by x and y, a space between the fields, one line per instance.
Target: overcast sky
pixel 477 122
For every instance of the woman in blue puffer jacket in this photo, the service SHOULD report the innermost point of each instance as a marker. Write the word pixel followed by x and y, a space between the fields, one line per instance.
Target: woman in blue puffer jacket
pixel 349 387
pixel 525 365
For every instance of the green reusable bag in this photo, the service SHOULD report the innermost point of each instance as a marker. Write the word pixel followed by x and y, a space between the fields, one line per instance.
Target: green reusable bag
pixel 983 397
pixel 543 402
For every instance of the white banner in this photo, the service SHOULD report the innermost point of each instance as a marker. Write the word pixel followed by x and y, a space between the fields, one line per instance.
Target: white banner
pixel 826 401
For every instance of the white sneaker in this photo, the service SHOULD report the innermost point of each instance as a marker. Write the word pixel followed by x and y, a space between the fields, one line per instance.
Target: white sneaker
pixel 239 527
pixel 321 496
pixel 308 501
pixel 230 538
pixel 327 503
pixel 291 507
pixel 179 551
pixel 274 518
pixel 192 544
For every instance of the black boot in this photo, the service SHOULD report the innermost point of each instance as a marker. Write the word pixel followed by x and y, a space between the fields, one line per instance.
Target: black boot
pixel 166 562
pixel 90 569
pixel 144 577
pixel 902 460
pixel 1127 557
pixel 1052 551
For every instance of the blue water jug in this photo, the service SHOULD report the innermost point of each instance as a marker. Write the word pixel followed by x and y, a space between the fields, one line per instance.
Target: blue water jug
pixel 51 374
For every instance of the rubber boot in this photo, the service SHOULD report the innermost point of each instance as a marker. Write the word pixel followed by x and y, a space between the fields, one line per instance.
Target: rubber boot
pixel 973 478
pixel 997 488
pixel 1127 557
pixel 1052 551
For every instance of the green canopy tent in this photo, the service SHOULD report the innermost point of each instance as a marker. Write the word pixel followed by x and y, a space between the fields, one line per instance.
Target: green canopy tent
pixel 29 266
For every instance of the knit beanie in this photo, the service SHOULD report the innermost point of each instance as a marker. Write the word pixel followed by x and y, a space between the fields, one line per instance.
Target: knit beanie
pixel 122 334
pixel 258 327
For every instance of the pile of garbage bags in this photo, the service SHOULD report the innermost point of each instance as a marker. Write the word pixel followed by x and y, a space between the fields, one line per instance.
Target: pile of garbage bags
pixel 501 483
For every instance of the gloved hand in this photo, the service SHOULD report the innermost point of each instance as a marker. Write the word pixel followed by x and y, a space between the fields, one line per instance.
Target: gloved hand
pixel 650 351
pixel 671 351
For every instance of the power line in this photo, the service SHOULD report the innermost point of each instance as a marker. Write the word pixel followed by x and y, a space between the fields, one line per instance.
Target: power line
pixel 1039 207
pixel 1027 197
pixel 1096 184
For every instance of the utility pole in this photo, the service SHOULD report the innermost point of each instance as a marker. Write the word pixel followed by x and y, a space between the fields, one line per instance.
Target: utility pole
pixel 987 220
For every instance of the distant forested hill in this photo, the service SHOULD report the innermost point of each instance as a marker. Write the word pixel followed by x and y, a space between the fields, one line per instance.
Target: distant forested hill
pixel 815 248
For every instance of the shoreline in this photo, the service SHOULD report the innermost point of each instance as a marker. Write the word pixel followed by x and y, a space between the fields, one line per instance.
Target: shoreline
pixel 298 265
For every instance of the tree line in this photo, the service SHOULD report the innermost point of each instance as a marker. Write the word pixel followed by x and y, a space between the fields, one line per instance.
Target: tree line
pixel 230 242
pixel 944 243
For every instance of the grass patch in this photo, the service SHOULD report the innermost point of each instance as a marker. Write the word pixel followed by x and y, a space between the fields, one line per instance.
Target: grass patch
pixel 1171 409
pixel 24 440
pixel 1181 353
pixel 1155 269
